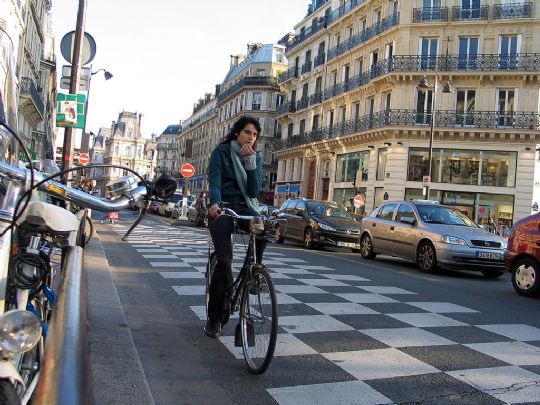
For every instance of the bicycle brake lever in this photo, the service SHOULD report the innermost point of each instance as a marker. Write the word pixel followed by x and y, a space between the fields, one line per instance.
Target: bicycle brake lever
pixel 139 219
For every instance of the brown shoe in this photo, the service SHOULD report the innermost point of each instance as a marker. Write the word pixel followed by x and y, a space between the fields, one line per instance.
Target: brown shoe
pixel 212 328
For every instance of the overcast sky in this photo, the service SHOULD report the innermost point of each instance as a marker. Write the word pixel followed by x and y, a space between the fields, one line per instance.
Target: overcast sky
pixel 165 54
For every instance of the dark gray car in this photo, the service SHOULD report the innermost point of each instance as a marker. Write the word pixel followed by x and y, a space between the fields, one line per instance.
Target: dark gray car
pixel 432 235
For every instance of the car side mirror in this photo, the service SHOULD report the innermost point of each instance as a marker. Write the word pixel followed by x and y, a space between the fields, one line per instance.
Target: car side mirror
pixel 408 220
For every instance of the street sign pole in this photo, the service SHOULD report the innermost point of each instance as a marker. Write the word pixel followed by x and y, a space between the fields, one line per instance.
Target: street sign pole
pixel 67 148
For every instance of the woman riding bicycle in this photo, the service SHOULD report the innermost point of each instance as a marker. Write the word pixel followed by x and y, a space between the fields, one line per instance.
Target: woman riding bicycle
pixel 234 176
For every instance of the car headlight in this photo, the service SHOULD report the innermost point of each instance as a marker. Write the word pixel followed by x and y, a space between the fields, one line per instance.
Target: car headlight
pixel 20 331
pixel 325 227
pixel 504 244
pixel 453 240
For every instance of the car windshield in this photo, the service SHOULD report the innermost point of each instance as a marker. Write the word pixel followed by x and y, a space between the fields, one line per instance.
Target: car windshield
pixel 443 215
pixel 175 198
pixel 326 209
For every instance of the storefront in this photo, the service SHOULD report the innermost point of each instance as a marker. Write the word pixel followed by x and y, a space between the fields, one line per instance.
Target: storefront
pixel 477 206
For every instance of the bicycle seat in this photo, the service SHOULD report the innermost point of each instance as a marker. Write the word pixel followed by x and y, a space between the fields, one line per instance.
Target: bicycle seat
pixel 44 217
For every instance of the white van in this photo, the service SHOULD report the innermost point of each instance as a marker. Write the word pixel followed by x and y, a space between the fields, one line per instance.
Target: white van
pixel 166 208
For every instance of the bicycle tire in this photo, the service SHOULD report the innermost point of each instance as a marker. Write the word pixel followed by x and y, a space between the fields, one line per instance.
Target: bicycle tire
pixel 210 266
pixel 258 313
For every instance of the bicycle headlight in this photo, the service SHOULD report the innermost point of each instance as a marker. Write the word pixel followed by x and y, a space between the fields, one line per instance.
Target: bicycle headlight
pixel 20 331
pixel 256 225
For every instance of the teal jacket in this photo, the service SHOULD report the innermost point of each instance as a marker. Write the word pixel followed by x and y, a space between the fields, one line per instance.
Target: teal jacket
pixel 223 186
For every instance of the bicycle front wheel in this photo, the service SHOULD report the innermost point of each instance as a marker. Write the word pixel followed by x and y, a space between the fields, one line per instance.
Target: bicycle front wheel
pixel 259 321
pixel 210 266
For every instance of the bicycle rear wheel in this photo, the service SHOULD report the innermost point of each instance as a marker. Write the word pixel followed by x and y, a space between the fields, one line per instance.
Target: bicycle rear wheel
pixel 210 266
pixel 259 321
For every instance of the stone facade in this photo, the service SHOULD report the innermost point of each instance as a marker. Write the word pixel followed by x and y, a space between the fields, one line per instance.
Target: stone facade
pixel 356 122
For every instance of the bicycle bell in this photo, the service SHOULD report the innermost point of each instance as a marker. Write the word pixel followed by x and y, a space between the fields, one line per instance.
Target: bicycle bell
pixel 121 186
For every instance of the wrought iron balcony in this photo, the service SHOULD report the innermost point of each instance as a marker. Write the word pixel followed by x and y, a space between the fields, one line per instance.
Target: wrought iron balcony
pixel 412 118
pixel 470 14
pixel 302 103
pixel 345 8
pixel 306 67
pixel 364 36
pixel 292 72
pixel 249 81
pixel 512 10
pixel 319 60
pixel 317 25
pixel 30 101
pixel 430 14
pixel 316 98
pixel 285 108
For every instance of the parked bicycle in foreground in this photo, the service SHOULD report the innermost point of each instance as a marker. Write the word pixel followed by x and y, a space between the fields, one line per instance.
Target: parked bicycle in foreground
pixel 253 295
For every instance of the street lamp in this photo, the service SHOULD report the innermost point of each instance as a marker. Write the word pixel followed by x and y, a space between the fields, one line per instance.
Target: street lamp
pixel 424 84
pixel 108 75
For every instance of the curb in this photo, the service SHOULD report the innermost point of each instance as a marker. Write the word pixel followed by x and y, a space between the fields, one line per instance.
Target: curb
pixel 117 373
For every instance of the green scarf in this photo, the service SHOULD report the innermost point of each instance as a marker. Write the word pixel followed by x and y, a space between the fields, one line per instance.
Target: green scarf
pixel 241 176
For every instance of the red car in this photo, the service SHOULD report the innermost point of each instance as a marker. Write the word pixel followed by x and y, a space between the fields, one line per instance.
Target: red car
pixel 522 256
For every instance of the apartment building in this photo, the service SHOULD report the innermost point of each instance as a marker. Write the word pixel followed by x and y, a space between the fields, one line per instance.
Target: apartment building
pixel 250 87
pixel 167 151
pixel 367 78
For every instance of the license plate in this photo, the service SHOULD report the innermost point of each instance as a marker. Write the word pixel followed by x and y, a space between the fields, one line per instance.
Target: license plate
pixel 348 244
pixel 489 255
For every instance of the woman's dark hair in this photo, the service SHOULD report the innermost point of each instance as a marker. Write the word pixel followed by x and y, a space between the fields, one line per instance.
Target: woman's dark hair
pixel 240 125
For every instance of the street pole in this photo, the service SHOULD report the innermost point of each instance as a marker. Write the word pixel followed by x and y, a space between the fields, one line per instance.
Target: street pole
pixel 431 129
pixel 67 148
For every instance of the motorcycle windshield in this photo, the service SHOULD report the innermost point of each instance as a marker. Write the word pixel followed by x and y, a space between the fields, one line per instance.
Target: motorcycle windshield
pixel 8 101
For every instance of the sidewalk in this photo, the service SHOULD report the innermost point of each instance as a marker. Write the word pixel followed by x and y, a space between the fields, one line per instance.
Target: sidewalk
pixel 117 373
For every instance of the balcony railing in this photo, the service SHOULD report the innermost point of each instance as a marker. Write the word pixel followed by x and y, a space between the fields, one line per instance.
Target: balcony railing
pixel 412 118
pixel 250 81
pixel 302 103
pixel 319 60
pixel 292 72
pixel 430 14
pixel 470 14
pixel 306 67
pixel 285 108
pixel 316 98
pixel 512 10
pixel 28 87
pixel 364 36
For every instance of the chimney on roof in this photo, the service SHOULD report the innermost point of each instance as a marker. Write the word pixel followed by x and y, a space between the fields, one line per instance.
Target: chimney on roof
pixel 218 89
pixel 252 48
pixel 207 97
pixel 140 118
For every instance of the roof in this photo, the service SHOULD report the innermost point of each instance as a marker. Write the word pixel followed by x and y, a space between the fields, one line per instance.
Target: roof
pixel 172 129
pixel 264 54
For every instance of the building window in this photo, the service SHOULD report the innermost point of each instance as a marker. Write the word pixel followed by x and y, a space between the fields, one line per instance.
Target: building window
pixel 348 164
pixel 302 127
pixel 257 101
pixel 505 107
pixel 261 73
pixel 379 196
pixel 465 106
pixel 381 164
pixel 498 168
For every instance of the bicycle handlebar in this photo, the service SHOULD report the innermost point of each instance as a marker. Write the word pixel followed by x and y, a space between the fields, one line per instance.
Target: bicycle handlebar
pixel 57 189
pixel 230 212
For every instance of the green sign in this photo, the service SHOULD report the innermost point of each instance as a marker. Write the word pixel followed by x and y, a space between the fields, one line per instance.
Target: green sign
pixel 22 155
pixel 70 110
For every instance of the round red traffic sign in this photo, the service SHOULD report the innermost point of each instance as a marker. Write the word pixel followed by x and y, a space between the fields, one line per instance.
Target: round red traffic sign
pixel 187 170
pixel 83 158
pixel 358 201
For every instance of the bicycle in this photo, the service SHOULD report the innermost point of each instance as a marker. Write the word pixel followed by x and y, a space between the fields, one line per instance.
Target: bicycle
pixel 252 294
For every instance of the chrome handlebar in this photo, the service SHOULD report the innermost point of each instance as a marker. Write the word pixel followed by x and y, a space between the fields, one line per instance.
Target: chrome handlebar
pixel 81 198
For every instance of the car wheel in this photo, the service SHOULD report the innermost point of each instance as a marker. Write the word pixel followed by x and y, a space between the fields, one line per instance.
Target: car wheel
pixel 525 277
pixel 308 239
pixel 492 273
pixel 426 257
pixel 278 236
pixel 366 247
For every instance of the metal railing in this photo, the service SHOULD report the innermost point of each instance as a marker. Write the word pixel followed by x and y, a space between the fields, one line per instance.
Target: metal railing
pixel 319 60
pixel 412 118
pixel 249 81
pixel 512 10
pixel 285 108
pixel 302 103
pixel 430 14
pixel 364 36
pixel 306 67
pixel 284 76
pixel 470 14
pixel 28 87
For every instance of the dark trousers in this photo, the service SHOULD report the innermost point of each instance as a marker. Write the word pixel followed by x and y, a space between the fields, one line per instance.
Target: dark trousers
pixel 221 230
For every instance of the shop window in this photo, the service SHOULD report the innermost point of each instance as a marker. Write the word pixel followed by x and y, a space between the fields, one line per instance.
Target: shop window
pixel 379 196
pixel 460 166
pixel 499 168
pixel 348 164
pixel 418 164
pixel 344 197
pixel 381 164
pixel 498 206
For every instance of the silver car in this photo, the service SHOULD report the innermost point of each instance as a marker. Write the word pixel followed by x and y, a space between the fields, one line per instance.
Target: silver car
pixel 432 235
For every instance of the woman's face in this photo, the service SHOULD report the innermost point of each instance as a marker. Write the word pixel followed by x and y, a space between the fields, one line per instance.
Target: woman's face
pixel 248 135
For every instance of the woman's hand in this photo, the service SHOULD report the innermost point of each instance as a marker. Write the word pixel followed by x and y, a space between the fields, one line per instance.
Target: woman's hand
pixel 214 211
pixel 246 150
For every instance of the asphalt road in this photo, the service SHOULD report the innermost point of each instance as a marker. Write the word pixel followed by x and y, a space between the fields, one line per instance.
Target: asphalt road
pixel 450 332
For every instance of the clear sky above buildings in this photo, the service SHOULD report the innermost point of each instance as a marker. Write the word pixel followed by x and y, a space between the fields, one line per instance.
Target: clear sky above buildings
pixel 165 54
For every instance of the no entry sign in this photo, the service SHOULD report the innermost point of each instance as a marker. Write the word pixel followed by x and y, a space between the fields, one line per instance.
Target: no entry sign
pixel 84 158
pixel 358 201
pixel 187 170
